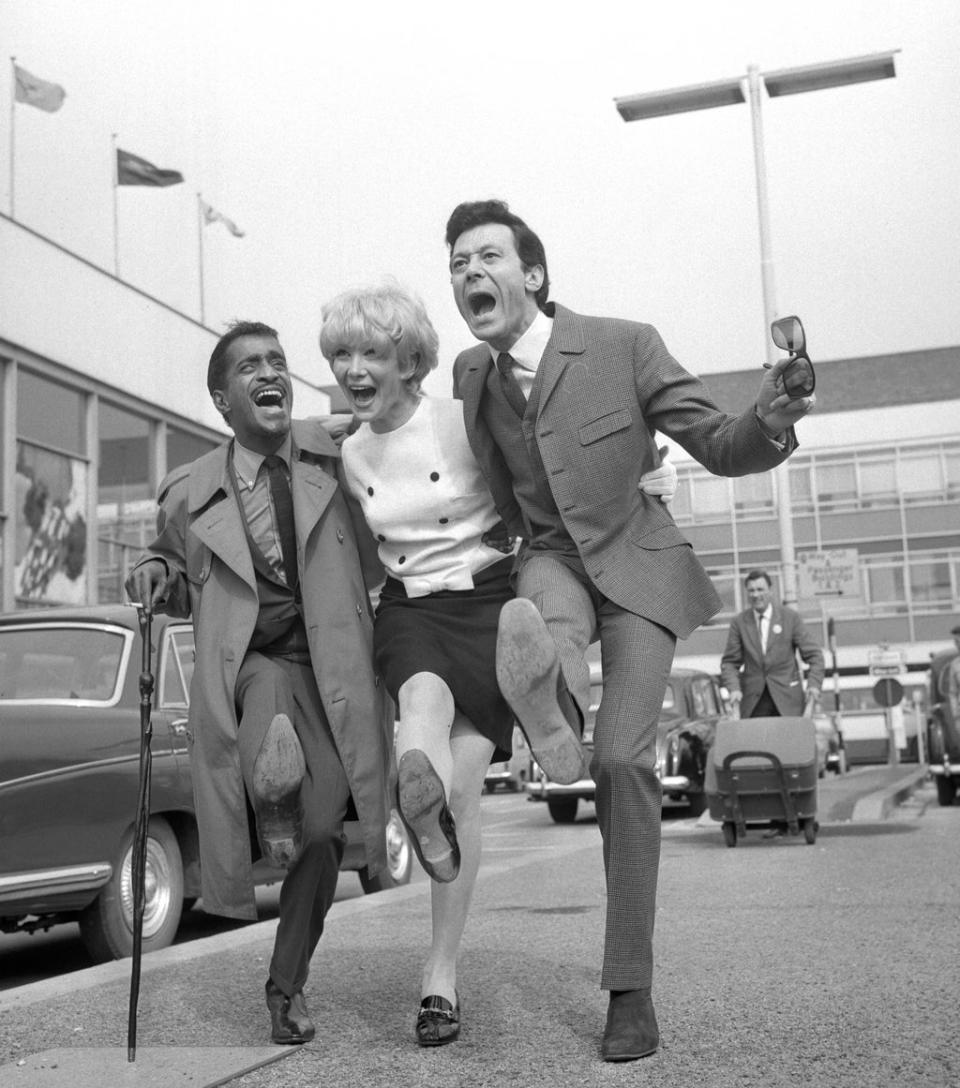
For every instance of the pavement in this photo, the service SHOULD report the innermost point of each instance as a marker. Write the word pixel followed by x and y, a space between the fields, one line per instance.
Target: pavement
pixel 532 1007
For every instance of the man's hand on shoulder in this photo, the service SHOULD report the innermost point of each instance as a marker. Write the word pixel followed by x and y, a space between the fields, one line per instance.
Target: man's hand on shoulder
pixel 338 426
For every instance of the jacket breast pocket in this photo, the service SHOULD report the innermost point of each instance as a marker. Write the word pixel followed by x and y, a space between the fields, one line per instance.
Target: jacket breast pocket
pixel 607 424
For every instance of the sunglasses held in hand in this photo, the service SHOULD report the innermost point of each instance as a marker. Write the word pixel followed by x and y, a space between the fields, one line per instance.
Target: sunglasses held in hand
pixel 798 377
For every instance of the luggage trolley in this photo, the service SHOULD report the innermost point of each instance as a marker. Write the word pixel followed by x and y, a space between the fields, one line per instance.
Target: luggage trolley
pixel 763 772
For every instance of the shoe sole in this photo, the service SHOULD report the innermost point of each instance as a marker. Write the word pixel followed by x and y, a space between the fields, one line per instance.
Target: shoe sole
pixel 423 806
pixel 528 669
pixel 277 775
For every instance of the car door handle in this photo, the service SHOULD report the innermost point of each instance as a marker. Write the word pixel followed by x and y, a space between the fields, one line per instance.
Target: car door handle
pixel 179 727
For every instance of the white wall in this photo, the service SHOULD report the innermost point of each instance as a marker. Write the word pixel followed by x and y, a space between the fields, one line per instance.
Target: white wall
pixel 57 306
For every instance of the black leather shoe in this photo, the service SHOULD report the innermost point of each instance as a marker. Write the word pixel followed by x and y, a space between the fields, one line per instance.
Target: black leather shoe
pixel 631 1030
pixel 288 1015
pixel 277 774
pixel 438 1021
pixel 422 802
pixel 528 672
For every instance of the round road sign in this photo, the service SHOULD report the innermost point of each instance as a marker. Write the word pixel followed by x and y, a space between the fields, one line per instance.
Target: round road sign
pixel 887 691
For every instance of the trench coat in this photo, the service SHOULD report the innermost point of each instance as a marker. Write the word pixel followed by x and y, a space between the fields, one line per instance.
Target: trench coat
pixel 201 538
pixel 608 386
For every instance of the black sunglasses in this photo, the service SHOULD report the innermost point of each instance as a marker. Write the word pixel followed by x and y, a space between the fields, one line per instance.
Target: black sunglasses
pixel 799 379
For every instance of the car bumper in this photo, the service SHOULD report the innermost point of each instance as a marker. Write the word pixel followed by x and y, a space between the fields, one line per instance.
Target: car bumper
pixel 541 788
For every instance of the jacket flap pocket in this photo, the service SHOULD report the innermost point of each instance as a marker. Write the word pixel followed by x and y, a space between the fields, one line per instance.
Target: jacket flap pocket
pixel 665 536
pixel 600 428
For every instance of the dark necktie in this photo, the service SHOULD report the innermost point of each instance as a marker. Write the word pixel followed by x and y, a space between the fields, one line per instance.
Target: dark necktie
pixel 283 506
pixel 510 385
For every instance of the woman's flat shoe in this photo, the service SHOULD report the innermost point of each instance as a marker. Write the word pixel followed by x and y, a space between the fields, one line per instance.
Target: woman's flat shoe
pixel 423 808
pixel 438 1021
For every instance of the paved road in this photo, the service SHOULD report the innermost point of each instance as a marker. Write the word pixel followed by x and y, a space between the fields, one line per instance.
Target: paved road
pixel 778 963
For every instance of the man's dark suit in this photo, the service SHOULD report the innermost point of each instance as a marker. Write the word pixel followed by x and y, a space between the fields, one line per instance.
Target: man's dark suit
pixel 606 387
pixel 747 668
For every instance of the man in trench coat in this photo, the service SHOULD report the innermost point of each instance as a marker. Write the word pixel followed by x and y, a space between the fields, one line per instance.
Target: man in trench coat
pixel 284 703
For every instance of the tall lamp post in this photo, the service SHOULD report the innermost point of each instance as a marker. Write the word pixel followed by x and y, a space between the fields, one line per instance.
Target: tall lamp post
pixel 730 92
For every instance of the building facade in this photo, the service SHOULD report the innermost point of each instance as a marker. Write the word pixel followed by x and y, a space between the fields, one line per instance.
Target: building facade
pixel 102 390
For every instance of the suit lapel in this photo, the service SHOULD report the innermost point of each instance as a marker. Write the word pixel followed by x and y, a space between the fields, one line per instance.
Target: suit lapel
pixel 567 341
pixel 218 522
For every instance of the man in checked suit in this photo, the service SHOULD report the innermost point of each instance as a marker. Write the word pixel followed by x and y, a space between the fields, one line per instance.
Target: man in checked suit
pixel 759 664
pixel 599 558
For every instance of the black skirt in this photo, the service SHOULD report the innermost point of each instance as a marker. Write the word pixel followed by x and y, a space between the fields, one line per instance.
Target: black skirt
pixel 452 634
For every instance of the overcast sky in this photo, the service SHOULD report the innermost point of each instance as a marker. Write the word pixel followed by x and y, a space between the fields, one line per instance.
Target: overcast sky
pixel 339 136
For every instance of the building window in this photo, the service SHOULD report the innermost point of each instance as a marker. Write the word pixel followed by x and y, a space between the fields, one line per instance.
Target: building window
pixel 50 414
pixel 878 482
pixel 753 494
pixel 921 476
pixel 50 560
pixel 886 587
pixel 930 584
pixel 126 514
pixel 836 484
pixel 183 447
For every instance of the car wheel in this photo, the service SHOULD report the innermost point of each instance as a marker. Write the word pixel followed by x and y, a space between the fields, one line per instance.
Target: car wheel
pixel 730 833
pixel 697 802
pixel 946 790
pixel 810 830
pixel 563 810
pixel 106 926
pixel 399 860
pixel 490 787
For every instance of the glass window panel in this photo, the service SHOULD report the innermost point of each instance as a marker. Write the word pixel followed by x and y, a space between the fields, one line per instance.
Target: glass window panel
pixel 930 581
pixel 59 663
pixel 920 474
pixel 711 496
pixel 681 506
pixel 878 478
pixel 886 585
pixel 124 473
pixel 51 529
pixel 183 447
pixel 952 464
pixel 836 481
pixel 754 492
pixel 669 698
pixel 801 487
pixel 50 414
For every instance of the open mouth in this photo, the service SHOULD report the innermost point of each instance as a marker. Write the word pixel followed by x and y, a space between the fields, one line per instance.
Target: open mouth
pixel 362 395
pixel 269 398
pixel 481 303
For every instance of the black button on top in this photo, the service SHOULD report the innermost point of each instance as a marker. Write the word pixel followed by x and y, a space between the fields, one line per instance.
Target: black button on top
pixel 402 559
pixel 443 521
pixel 434 476
pixel 369 490
pixel 381 537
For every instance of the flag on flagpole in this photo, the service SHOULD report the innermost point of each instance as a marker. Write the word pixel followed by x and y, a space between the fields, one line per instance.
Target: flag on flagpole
pixel 211 215
pixel 37 92
pixel 132 170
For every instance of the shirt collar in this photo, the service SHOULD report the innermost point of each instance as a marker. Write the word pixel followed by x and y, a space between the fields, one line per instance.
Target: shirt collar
pixel 247 462
pixel 528 350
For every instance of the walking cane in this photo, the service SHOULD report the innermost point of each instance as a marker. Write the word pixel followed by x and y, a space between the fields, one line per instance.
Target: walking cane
pixel 139 864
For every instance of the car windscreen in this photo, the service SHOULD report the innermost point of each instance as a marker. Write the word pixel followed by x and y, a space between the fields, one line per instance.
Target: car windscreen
pixel 47 662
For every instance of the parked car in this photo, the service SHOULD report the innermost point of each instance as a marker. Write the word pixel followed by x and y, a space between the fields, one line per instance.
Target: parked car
pixel 867 727
pixel 69 773
pixel 692 706
pixel 513 772
pixel 943 731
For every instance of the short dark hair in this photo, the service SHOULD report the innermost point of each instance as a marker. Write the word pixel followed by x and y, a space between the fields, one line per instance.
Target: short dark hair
pixel 756 574
pixel 478 213
pixel 236 329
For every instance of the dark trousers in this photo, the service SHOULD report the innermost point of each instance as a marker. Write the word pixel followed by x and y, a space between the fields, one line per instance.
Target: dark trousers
pixel 766 707
pixel 268 686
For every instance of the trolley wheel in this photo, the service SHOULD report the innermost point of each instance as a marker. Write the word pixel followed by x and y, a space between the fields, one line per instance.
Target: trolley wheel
pixel 730 833
pixel 810 828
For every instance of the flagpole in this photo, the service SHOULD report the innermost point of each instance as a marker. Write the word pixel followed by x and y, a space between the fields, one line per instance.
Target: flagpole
pixel 13 122
pixel 116 241
pixel 200 251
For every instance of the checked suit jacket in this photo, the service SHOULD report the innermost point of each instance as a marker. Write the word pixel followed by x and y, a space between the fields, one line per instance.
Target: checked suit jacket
pixel 608 386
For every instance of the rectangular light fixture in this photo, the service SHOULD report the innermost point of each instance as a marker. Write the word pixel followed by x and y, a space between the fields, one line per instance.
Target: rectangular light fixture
pixel 838 73
pixel 700 96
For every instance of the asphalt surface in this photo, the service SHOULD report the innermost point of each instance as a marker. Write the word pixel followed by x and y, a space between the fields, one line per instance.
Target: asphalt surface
pixel 778 963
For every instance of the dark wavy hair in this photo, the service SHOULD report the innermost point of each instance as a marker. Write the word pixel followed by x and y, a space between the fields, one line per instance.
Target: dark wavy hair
pixel 478 213
pixel 236 329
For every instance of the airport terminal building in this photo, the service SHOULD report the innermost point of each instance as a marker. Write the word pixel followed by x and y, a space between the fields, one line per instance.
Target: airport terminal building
pixel 107 391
